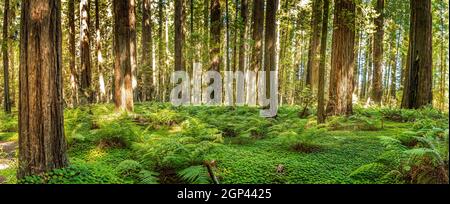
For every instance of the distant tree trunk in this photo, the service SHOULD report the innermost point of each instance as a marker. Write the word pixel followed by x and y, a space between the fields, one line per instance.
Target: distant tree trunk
pixel 243 34
pixel 257 34
pixel 227 33
pixel 42 145
pixel 205 44
pixel 393 91
pixel 161 56
pixel 270 43
pixel 342 59
pixel 312 74
pixel 323 48
pixel 418 84
pixel 216 27
pixel 147 51
pixel 123 94
pixel 73 70
pixel 85 52
pixel 179 35
pixel 98 49
pixel 377 90
pixel 7 102
pixel 235 37
pixel 362 92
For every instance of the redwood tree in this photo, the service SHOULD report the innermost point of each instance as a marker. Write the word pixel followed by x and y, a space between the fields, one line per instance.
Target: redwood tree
pixel 6 102
pixel 123 93
pixel 377 89
pixel 42 145
pixel 85 52
pixel 147 51
pixel 342 59
pixel 312 74
pixel 418 80
pixel 215 29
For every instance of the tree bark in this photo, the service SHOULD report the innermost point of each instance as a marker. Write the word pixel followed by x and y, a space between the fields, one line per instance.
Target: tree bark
pixel 243 34
pixel 85 52
pixel 216 27
pixel 257 34
pixel 161 56
pixel 147 51
pixel 98 49
pixel 342 59
pixel 377 90
pixel 323 48
pixel 270 43
pixel 179 35
pixel 42 145
pixel 7 101
pixel 123 94
pixel 312 74
pixel 418 84
pixel 74 82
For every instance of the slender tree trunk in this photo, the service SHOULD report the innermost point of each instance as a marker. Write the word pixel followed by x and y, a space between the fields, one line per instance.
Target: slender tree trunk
pixel 85 52
pixel 243 34
pixel 393 92
pixel 161 56
pixel 323 48
pixel 377 91
pixel 98 49
pixel 179 35
pixel 72 66
pixel 7 101
pixel 270 43
pixel 147 51
pixel 42 145
pixel 123 94
pixel 418 84
pixel 341 75
pixel 312 75
pixel 216 27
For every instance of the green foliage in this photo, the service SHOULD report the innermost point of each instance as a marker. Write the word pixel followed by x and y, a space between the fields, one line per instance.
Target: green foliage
pixel 8 123
pixel 355 122
pixel 195 175
pixel 370 172
pixel 117 132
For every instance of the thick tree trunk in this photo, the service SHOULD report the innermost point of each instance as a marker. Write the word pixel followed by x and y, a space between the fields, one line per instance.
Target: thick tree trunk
pixel 377 90
pixel 312 75
pixel 42 146
pixel 85 52
pixel 342 59
pixel 418 82
pixel 98 49
pixel 323 48
pixel 123 94
pixel 72 66
pixel 243 34
pixel 133 48
pixel 7 101
pixel 179 35
pixel 270 43
pixel 257 35
pixel 147 51
pixel 216 27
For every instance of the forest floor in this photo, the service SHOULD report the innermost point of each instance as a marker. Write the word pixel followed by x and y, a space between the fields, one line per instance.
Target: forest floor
pixel 160 143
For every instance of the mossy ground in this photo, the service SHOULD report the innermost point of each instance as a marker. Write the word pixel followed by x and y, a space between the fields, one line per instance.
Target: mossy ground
pixel 246 148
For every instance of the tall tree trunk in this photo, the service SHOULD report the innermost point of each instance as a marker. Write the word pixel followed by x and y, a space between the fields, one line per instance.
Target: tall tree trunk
pixel 98 49
pixel 257 38
pixel 243 34
pixel 270 43
pixel 123 94
pixel 179 35
pixel 393 90
pixel 236 25
pixel 227 33
pixel 342 59
pixel 323 48
pixel 147 51
pixel 42 145
pixel 133 48
pixel 85 52
pixel 216 27
pixel 377 90
pixel 74 82
pixel 161 53
pixel 6 102
pixel 312 74
pixel 418 84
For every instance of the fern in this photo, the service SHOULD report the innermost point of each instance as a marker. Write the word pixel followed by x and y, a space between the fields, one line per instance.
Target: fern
pixel 195 175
